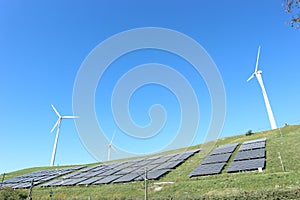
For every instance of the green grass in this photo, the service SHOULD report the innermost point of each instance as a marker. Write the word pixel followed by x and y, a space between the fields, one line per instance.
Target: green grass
pixel 272 183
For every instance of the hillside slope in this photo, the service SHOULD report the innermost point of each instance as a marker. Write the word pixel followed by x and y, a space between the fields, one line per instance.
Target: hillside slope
pixel 272 183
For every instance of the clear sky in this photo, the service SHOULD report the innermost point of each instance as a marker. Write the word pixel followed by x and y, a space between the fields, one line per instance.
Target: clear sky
pixel 43 44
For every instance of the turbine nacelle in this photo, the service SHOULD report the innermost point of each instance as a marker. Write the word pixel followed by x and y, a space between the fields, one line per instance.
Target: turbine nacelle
pixel 254 74
pixel 60 118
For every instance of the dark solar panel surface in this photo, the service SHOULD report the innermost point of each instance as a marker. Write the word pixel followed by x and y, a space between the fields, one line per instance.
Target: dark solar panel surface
pixel 246 165
pixel 251 154
pixel 90 180
pixel 249 146
pixel 153 175
pixel 104 173
pixel 219 158
pixel 107 179
pixel 24 181
pixel 215 162
pixel 127 178
pixel 229 148
pixel 208 169
pixel 70 182
pixel 125 171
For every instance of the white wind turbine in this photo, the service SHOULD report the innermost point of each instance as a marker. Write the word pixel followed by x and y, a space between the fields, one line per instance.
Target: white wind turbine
pixel 257 73
pixel 57 124
pixel 110 146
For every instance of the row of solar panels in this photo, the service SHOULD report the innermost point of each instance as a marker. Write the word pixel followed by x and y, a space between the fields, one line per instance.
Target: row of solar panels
pixel 215 161
pixel 38 177
pixel 251 156
pixel 125 171
pixel 118 172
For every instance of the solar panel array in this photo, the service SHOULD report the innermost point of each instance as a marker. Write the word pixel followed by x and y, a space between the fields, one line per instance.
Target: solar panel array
pixel 38 177
pixel 256 145
pixel 255 141
pixel 246 165
pixel 219 158
pixel 209 169
pixel 228 148
pixel 251 156
pixel 120 172
pixel 215 162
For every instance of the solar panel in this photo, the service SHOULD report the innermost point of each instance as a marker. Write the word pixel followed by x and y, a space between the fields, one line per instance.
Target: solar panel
pixel 251 154
pixel 169 165
pixel 150 167
pixel 24 181
pixel 153 158
pixel 160 160
pixel 185 155
pixel 175 164
pixel 142 163
pixel 22 185
pixel 101 167
pixel 246 165
pixel 218 158
pixel 124 165
pixel 126 178
pixel 104 173
pixel 126 171
pixel 88 169
pixel 194 151
pixel 52 183
pixel 90 180
pixel 94 173
pixel 107 179
pixel 256 145
pixel 153 175
pixel 229 148
pixel 254 141
pixel 208 169
pixel 80 175
pixel 109 172
pixel 47 178
pixel 76 168
pixel 70 182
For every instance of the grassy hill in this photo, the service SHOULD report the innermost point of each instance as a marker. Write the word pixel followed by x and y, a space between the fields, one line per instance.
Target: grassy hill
pixel 272 183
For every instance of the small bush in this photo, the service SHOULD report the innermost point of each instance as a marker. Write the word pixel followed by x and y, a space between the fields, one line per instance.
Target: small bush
pixel 249 133
pixel 10 194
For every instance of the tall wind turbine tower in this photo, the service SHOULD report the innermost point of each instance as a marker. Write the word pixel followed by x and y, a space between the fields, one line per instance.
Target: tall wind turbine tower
pixel 57 124
pixel 257 73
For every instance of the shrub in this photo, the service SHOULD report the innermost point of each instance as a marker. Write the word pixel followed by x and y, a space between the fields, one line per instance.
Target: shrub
pixel 249 133
pixel 7 193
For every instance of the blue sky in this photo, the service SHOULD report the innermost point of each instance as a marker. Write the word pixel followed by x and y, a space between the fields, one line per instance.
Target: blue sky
pixel 43 44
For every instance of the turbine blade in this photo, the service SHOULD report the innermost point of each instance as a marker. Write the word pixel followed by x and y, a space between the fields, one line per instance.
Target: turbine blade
pixel 113 148
pixel 257 58
pixel 251 77
pixel 113 137
pixel 57 113
pixel 70 117
pixel 55 125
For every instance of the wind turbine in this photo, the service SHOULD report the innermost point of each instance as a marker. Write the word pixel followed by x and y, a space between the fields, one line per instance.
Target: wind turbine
pixel 257 73
pixel 57 124
pixel 110 146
